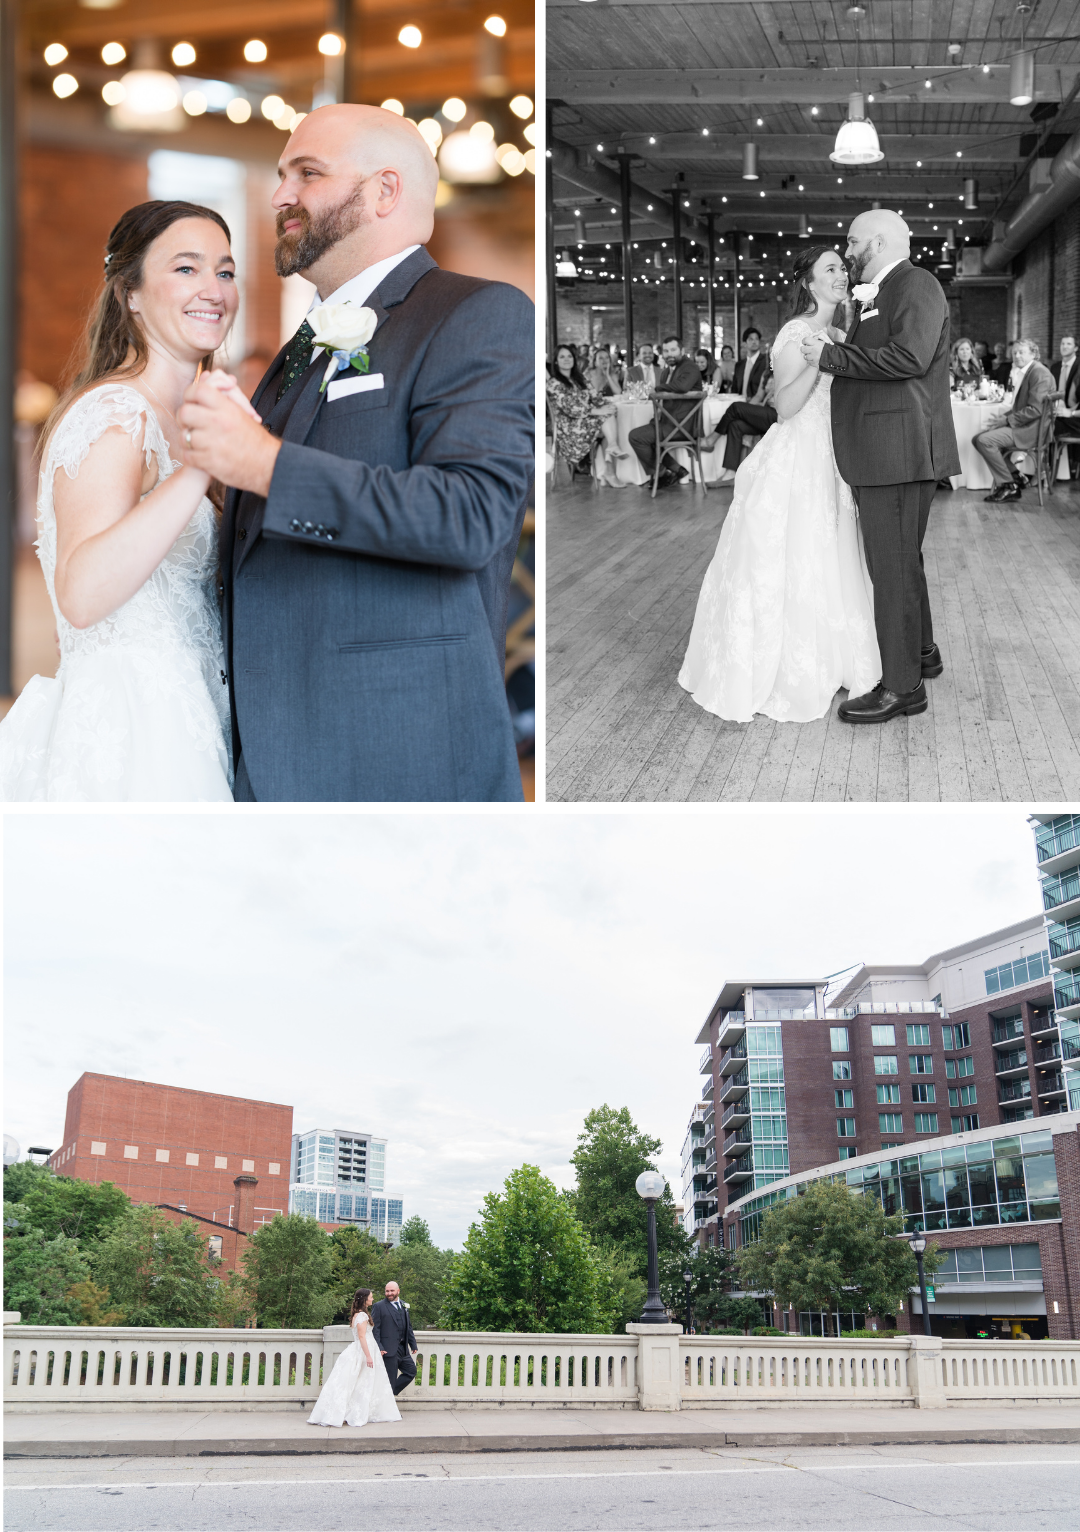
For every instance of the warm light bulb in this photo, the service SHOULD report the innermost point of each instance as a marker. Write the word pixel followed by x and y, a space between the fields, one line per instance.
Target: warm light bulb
pixel 238 110
pixel 454 109
pixel 183 55
pixel 528 132
pixel 483 131
pixel 511 159
pixel 65 85
pixel 113 53
pixel 255 53
pixel 55 53
pixel 112 93
pixel 331 44
pixel 496 26
pixel 410 37
pixel 272 107
pixel 392 104
pixel 521 106
pixel 430 132
pixel 194 103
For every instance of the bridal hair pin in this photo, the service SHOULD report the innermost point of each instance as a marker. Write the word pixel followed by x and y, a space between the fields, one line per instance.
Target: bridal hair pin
pixel 108 258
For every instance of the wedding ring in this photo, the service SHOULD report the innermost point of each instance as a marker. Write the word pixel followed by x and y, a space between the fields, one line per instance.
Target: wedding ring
pixel 187 438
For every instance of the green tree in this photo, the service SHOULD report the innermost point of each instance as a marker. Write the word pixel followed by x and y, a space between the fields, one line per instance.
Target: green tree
pixel 414 1231
pixel 420 1270
pixel 528 1265
pixel 624 1291
pixel 157 1272
pixel 289 1273
pixel 91 1303
pixel 80 1210
pixel 40 1272
pixel 611 1153
pixel 831 1249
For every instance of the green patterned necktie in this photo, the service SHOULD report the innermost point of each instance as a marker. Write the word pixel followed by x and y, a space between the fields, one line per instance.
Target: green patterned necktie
pixel 297 357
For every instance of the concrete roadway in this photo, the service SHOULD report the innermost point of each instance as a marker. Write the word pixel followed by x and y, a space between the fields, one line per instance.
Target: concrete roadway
pixel 988 1488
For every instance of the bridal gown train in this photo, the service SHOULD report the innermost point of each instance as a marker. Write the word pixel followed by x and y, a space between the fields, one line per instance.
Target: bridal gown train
pixel 139 709
pixel 785 616
pixel 355 1393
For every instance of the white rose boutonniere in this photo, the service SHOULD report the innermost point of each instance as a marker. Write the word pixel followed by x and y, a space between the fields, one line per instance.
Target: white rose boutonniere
pixel 344 330
pixel 865 293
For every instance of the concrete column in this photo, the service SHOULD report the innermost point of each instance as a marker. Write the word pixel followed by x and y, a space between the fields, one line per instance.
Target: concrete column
pixel 924 1372
pixel 245 1203
pixel 659 1363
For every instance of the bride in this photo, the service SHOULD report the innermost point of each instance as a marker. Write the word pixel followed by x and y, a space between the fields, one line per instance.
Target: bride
pixel 358 1390
pixel 786 611
pixel 139 708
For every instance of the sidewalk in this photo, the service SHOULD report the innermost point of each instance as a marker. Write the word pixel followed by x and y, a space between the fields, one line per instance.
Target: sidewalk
pixel 216 1433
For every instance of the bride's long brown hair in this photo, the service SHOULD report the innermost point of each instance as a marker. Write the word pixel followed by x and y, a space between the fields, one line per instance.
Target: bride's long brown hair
pixel 800 298
pixel 114 344
pixel 360 1298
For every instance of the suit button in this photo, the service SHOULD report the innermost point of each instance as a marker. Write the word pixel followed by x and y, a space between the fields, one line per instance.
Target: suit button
pixel 309 526
pixel 242 533
pixel 294 525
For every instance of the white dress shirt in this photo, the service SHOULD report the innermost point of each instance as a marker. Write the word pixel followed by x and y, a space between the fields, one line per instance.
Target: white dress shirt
pixel 359 289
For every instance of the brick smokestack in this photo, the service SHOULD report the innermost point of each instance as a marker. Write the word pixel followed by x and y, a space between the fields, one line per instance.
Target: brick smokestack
pixel 245 1203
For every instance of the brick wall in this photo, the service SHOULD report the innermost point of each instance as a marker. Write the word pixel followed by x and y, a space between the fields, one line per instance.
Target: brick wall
pixel 69 200
pixel 493 238
pixel 1045 298
pixel 167 1127
pixel 979 313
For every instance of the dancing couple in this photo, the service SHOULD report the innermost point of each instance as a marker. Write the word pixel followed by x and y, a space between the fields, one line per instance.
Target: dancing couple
pixel 817 583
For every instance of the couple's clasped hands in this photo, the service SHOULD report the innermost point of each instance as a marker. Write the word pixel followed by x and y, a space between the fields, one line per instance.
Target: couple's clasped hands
pixel 224 436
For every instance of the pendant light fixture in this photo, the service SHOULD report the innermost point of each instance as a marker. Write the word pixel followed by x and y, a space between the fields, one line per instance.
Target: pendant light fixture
pixel 749 162
pixel 1022 78
pixel 804 230
pixel 971 195
pixel 857 140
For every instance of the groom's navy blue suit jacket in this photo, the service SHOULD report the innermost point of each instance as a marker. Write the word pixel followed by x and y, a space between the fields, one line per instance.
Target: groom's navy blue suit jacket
pixel 366 596
pixel 393 1327
pixel 891 411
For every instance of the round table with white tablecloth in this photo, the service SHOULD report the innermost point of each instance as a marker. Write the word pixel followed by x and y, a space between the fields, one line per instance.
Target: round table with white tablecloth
pixel 639 412
pixel 969 418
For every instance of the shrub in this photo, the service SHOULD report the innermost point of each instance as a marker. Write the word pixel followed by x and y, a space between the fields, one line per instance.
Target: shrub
pixel 766 1330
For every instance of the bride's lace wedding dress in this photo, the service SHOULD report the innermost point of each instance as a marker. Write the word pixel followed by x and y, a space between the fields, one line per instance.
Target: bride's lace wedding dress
pixel 139 709
pixel 355 1393
pixel 785 617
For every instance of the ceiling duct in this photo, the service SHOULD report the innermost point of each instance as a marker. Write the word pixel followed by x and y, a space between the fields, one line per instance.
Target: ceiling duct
pixel 1039 209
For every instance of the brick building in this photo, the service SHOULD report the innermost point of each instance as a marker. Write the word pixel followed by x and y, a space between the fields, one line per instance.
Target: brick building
pixel 1003 1202
pixel 179 1149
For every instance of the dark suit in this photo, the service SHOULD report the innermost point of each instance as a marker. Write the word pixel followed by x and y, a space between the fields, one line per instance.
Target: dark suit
pixel 893 438
pixel 393 1331
pixel 750 374
pixel 1067 428
pixel 683 378
pixel 1021 428
pixel 366 597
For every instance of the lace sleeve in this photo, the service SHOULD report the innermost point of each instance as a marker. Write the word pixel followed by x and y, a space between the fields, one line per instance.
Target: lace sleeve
pixel 91 416
pixel 792 333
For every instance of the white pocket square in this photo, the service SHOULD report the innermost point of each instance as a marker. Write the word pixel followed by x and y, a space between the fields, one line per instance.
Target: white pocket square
pixel 357 385
pixel 870 314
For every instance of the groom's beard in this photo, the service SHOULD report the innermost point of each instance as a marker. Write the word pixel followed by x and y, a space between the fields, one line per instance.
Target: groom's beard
pixel 858 266
pixel 298 252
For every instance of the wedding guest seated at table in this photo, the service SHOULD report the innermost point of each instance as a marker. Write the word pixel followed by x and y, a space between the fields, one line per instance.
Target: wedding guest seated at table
pixel 1066 374
pixel 1016 429
pixel 644 369
pixel 982 353
pixel 679 376
pixel 726 369
pixel 964 365
pixel 582 418
pixel 749 375
pixel 1001 367
pixel 740 421
pixel 603 377
pixel 705 364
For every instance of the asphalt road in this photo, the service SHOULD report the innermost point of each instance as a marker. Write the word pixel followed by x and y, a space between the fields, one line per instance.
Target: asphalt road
pixel 992 1489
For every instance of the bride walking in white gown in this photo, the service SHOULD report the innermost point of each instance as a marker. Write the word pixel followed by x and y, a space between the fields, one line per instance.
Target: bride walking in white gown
pixel 139 709
pixel 358 1390
pixel 785 616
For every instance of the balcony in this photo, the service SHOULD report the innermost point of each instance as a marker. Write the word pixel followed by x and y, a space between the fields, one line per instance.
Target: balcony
pixel 710 1156
pixel 1043 1022
pixel 1048 1055
pixel 741 1169
pixel 736 1114
pixel 1065 944
pixel 705 1062
pixel 734 1141
pixel 1051 1085
pixel 707 1093
pixel 1069 1050
pixel 1011 1063
pixel 732 1059
pixel 732 1027
pixel 1067 993
pixel 1016 1090
pixel 1061 894
pixel 1058 849
pixel 733 1086
pixel 1008 1031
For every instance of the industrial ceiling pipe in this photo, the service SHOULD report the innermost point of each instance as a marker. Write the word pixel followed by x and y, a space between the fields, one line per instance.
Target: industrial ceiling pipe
pixel 1038 210
pixel 579 168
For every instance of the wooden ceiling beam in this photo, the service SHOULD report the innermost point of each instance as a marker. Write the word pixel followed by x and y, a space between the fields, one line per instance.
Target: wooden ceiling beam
pixel 786 151
pixel 809 87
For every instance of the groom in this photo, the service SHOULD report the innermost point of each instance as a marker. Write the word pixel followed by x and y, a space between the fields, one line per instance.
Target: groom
pixel 394 1337
pixel 370 531
pixel 893 438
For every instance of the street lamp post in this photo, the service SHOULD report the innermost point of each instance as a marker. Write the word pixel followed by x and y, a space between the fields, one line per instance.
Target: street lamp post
pixel 918 1245
pixel 650 1187
pixel 688 1277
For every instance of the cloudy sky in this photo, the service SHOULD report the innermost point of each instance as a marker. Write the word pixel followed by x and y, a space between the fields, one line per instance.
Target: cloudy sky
pixel 467 985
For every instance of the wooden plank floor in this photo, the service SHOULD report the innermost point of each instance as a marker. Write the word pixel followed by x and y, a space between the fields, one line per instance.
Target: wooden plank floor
pixel 1003 723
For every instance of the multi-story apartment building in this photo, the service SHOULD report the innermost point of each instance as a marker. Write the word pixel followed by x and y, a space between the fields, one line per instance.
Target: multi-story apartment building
pixel 698 1183
pixel 339 1177
pixel 804 1072
pixel 1057 851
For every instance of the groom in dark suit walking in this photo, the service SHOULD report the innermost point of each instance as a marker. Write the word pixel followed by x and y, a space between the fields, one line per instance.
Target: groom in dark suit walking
pixel 893 438
pixel 394 1337
pixel 368 538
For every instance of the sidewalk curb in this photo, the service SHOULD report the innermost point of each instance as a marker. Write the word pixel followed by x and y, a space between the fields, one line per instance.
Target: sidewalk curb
pixel 292 1447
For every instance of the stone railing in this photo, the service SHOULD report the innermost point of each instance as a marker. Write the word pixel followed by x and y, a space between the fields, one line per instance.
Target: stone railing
pixel 653 1367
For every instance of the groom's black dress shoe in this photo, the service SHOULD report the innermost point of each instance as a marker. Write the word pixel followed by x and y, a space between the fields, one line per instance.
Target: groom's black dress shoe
pixel 879 705
pixel 931 662
pixel 1004 492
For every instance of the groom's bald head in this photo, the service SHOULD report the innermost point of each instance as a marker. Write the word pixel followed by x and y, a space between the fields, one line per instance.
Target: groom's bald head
pixel 876 239
pixel 357 185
